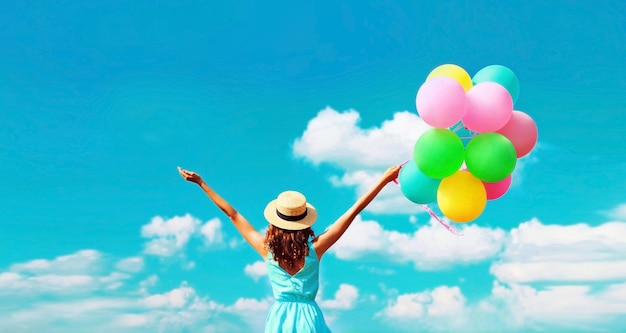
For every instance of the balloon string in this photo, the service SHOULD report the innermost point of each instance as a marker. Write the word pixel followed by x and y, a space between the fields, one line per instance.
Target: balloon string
pixel 449 227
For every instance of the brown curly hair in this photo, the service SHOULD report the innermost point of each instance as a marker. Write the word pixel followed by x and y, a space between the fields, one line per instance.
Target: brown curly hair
pixel 288 246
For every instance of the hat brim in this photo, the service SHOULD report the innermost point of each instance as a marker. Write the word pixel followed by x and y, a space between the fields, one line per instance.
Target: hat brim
pixel 275 220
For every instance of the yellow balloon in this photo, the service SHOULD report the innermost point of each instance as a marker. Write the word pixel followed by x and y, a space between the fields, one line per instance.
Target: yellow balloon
pixel 453 71
pixel 461 197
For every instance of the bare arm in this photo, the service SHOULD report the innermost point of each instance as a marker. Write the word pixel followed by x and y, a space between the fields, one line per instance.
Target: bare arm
pixel 325 240
pixel 251 235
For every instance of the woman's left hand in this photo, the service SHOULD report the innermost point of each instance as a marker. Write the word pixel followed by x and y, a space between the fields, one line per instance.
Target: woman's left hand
pixel 190 176
pixel 391 174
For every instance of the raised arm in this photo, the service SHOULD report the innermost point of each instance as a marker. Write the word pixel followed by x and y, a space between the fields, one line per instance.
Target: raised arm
pixel 249 233
pixel 325 240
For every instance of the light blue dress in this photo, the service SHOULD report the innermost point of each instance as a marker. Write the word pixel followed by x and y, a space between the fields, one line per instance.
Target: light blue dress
pixel 295 309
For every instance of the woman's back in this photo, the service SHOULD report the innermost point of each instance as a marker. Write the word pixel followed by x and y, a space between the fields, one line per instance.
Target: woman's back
pixel 295 309
pixel 301 285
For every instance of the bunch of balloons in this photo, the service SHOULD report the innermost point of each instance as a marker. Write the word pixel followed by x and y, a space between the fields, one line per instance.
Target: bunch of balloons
pixel 462 176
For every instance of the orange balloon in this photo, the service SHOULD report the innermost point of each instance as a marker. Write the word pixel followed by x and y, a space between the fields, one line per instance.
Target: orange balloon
pixel 461 197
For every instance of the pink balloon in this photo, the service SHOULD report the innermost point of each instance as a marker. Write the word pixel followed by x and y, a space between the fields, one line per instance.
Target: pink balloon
pixel 489 107
pixel 497 189
pixel 522 131
pixel 441 102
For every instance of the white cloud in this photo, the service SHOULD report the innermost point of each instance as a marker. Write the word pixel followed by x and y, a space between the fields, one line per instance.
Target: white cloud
pixel 176 298
pixel 212 231
pixel 179 309
pixel 168 237
pixel 511 307
pixel 377 270
pixel 441 301
pixel 90 314
pixel 617 213
pixel 430 247
pixel 79 262
pixel 406 306
pixel 446 301
pixel 53 281
pixel 82 292
pixel 131 320
pixel 582 306
pixel 148 283
pixel 251 311
pixel 559 271
pixel 537 252
pixel 131 265
pixel 251 305
pixel 7 278
pixel 256 270
pixel 563 276
pixel 566 237
pixel 90 291
pixel 85 270
pixel 345 298
pixel 337 138
pixel 18 284
pixel 517 176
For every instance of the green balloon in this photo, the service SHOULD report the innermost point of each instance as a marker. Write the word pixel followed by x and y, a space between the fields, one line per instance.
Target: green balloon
pixel 438 153
pixel 502 75
pixel 490 157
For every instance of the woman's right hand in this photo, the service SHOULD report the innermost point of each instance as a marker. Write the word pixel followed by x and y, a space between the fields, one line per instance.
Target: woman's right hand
pixel 190 176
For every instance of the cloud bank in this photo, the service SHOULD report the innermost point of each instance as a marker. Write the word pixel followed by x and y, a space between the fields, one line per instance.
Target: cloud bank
pixel 545 276
pixel 554 277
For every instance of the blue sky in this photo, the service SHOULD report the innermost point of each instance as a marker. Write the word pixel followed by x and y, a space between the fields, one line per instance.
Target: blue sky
pixel 100 102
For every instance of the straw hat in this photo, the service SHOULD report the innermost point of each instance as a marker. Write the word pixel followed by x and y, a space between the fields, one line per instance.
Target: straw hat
pixel 290 211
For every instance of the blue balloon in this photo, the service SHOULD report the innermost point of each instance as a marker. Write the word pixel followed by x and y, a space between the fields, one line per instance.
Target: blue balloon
pixel 501 75
pixel 416 186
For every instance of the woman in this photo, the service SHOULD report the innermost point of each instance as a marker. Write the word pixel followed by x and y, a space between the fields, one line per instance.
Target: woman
pixel 292 252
